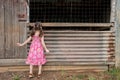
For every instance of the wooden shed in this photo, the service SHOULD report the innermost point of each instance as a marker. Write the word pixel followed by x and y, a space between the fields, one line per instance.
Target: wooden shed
pixel 80 34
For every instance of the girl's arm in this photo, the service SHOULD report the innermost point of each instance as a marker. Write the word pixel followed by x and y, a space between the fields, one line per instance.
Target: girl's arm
pixel 43 44
pixel 19 44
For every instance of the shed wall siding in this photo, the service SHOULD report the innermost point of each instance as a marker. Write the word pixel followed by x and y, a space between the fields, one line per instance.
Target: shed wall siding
pixel 67 47
pixel 11 30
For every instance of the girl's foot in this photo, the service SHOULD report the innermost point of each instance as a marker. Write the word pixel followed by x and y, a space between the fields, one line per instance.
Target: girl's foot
pixel 31 75
pixel 39 75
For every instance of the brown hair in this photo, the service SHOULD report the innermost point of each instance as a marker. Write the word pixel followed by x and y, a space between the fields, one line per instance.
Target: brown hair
pixel 37 27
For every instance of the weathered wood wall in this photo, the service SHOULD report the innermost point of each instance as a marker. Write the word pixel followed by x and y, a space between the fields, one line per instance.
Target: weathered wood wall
pixel 117 32
pixel 2 39
pixel 67 47
pixel 11 30
pixel 89 49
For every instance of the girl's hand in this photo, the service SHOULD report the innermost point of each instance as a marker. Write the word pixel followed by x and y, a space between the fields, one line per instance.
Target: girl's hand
pixel 47 51
pixel 19 44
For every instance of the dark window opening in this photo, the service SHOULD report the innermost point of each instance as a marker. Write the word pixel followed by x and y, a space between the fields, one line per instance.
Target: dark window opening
pixel 89 11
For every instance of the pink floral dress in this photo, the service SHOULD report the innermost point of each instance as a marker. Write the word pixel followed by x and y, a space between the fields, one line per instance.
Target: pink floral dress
pixel 36 53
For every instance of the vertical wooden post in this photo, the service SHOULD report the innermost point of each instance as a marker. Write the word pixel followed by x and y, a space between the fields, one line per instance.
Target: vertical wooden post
pixel 112 14
pixel 2 39
pixel 22 22
pixel 28 3
pixel 117 33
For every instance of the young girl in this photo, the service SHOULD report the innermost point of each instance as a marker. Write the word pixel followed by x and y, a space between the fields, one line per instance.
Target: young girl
pixel 36 53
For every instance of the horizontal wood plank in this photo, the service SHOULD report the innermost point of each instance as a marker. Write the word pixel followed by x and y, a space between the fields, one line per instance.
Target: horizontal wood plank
pixel 55 68
pixel 74 24
pixel 95 63
pixel 7 62
pixel 80 60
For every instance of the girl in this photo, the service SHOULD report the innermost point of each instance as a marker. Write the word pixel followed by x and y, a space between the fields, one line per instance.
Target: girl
pixel 36 53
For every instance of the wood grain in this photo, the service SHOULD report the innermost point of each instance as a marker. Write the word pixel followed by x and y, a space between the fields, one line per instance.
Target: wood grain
pixel 74 24
pixel 2 34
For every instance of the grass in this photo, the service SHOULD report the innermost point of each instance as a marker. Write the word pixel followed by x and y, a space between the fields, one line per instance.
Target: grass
pixel 80 76
pixel 63 72
pixel 71 77
pixel 91 77
pixel 16 77
pixel 114 73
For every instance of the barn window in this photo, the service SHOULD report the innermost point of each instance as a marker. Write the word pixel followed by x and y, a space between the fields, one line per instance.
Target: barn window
pixel 89 11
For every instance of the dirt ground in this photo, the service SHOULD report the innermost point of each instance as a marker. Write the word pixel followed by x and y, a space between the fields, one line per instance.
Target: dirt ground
pixel 57 75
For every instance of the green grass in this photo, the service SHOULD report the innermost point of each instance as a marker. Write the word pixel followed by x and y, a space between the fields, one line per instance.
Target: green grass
pixel 80 76
pixel 90 77
pixel 16 77
pixel 63 72
pixel 114 73
pixel 74 78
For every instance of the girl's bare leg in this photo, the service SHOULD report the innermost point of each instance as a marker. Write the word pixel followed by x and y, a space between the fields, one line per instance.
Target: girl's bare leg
pixel 31 69
pixel 40 67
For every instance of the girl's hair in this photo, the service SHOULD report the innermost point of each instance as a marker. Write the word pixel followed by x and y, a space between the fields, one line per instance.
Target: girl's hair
pixel 37 27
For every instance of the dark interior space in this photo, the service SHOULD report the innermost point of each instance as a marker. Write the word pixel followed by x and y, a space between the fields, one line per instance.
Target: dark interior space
pixel 82 11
